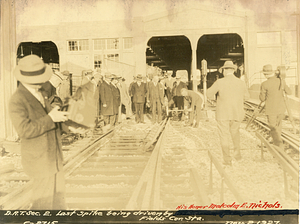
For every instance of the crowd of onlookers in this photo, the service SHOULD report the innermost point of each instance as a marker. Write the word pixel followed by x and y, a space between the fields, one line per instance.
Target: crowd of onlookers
pixel 109 99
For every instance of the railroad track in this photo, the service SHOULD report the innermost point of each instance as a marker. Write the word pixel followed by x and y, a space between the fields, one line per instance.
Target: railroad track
pixel 117 171
pixel 98 170
pixel 290 140
pixel 172 182
pixel 134 167
pixel 288 157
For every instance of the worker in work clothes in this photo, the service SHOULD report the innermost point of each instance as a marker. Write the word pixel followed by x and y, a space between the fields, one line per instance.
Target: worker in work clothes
pixel 271 92
pixel 196 105
pixel 36 124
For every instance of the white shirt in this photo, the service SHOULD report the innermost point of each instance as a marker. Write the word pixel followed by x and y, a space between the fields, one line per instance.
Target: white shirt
pixel 35 92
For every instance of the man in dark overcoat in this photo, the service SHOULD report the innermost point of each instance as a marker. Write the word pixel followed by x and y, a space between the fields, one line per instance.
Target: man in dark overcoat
pixel 139 91
pixel 51 85
pixel 107 101
pixel 155 96
pixel 271 92
pixel 116 98
pixel 36 125
pixel 131 95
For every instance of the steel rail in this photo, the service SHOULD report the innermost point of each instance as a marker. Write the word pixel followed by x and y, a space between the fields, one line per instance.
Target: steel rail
pixel 19 198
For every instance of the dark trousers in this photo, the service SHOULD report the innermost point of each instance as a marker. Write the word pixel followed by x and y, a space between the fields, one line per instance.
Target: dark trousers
pixel 195 114
pixel 168 93
pixel 132 106
pixel 179 102
pixel 156 105
pixel 275 123
pixel 109 119
pixel 139 112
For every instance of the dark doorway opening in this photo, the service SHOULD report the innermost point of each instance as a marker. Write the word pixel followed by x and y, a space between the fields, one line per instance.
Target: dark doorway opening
pixel 46 50
pixel 218 48
pixel 169 53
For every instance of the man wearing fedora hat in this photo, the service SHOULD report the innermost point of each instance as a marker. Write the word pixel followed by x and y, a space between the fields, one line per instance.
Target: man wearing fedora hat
pixel 176 92
pixel 107 100
pixel 139 91
pixel 116 97
pixel 271 92
pixel 37 127
pixel 51 86
pixel 230 109
pixel 63 90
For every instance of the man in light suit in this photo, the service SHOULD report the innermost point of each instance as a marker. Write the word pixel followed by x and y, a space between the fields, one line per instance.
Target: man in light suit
pixel 272 92
pixel 36 125
pixel 230 109
pixel 125 99
pixel 155 96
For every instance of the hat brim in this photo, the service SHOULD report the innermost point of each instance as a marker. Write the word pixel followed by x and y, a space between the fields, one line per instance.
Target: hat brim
pixel 268 73
pixel 232 67
pixel 34 79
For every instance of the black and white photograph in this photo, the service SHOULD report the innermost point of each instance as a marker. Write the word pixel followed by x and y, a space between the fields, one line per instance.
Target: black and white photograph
pixel 149 111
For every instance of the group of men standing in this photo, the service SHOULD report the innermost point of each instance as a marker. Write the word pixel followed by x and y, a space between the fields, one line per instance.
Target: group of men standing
pixel 149 93
pixel 153 93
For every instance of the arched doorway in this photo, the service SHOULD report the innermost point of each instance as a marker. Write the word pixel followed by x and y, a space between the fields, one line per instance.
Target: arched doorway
pixel 218 48
pixel 47 50
pixel 169 53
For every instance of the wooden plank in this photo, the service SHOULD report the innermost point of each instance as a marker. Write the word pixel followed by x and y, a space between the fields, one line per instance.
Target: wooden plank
pixel 119 152
pixel 126 147
pixel 100 190
pixel 15 178
pixel 7 168
pixel 107 171
pixel 118 159
pixel 226 177
pixel 102 180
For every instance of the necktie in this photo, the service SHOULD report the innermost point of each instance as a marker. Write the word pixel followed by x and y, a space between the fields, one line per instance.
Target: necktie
pixel 41 97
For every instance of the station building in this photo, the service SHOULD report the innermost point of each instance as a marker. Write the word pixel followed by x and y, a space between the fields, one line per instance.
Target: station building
pixel 172 40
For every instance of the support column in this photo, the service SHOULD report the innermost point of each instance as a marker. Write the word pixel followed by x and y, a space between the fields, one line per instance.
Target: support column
pixel 8 83
pixel 250 47
pixel 298 46
pixel 194 42
pixel 140 46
